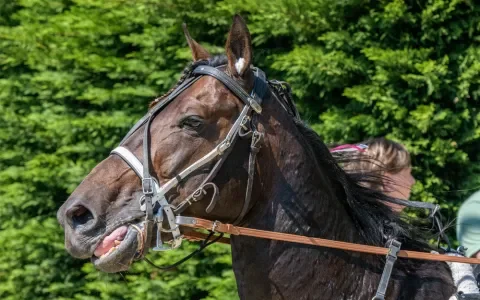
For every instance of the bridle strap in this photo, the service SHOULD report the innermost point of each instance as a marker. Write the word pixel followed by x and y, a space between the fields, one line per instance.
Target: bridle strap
pixel 219 227
pixel 130 159
pixel 253 100
pixel 148 184
pixel 160 106
pixel 257 138
pixel 199 193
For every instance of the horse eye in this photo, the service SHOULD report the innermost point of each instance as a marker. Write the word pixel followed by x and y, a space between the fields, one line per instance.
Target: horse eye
pixel 192 122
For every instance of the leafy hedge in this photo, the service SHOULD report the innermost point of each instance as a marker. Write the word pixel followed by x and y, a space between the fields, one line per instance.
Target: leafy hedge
pixel 76 74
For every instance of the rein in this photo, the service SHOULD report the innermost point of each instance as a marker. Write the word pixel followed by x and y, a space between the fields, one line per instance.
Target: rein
pixel 216 226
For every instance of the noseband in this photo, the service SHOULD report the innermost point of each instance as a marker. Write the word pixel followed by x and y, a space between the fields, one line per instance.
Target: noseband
pixel 154 195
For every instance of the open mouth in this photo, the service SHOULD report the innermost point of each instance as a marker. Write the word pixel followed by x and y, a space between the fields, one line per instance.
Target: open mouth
pixel 117 250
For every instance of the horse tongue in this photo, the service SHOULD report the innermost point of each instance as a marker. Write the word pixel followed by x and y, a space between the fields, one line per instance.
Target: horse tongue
pixel 109 241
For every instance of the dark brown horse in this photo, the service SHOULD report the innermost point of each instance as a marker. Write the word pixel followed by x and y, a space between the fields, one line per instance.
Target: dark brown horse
pixel 298 188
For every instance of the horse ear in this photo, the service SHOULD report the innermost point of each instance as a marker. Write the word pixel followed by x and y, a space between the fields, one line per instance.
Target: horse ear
pixel 198 52
pixel 239 47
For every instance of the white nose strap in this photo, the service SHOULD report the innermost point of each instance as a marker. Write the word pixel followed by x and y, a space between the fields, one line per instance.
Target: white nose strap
pixel 137 167
pixel 131 160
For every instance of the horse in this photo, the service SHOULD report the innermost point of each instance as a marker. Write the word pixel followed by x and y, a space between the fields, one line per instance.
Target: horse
pixel 293 185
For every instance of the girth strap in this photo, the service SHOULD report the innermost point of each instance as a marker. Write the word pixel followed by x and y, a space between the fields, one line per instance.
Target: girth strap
pixel 393 249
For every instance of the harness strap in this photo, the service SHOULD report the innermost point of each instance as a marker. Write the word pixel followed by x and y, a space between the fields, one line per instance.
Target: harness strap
pixel 463 296
pixel 434 214
pixel 198 194
pixel 257 138
pixel 393 249
pixel 147 185
pixel 293 238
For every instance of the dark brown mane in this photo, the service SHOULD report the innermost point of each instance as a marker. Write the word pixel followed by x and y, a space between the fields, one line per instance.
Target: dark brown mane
pixel 376 221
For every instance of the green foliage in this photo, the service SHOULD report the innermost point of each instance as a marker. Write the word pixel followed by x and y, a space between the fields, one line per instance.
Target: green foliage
pixel 75 75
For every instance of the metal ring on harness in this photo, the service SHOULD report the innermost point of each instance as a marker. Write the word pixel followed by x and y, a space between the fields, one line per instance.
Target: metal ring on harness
pixel 140 240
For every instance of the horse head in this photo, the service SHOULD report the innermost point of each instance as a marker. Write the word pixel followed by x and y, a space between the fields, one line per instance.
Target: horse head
pixel 194 143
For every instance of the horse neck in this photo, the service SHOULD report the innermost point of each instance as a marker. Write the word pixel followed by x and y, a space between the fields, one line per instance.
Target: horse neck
pixel 299 194
pixel 298 197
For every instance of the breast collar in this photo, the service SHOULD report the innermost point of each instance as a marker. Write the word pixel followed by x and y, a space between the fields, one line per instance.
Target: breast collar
pixel 154 195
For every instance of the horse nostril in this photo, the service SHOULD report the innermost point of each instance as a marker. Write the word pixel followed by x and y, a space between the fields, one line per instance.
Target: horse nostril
pixel 80 216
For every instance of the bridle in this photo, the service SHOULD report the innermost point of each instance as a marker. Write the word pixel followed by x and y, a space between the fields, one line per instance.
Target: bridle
pixel 154 195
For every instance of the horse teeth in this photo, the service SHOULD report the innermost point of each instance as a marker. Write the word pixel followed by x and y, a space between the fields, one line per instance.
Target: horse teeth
pixel 117 242
pixel 109 251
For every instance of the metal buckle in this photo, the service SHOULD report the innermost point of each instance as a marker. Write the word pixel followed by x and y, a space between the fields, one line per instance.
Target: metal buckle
pixel 254 104
pixel 223 147
pixel 461 250
pixel 244 123
pixel 393 249
pixel 147 186
pixel 159 243
pixel 214 226
pixel 160 246
pixel 183 220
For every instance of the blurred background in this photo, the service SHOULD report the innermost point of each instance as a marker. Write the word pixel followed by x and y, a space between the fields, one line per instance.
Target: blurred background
pixel 76 74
